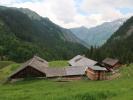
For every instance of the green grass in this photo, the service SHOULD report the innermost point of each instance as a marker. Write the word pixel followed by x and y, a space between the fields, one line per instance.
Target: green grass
pixel 60 63
pixel 4 72
pixel 117 89
pixel 5 63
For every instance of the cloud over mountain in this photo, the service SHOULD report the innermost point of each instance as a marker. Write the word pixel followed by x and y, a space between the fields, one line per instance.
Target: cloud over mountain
pixel 75 13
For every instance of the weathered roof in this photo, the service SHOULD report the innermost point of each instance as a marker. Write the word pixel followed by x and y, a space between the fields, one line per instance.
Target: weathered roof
pixel 75 70
pixel 66 71
pixel 36 62
pixel 41 60
pixel 98 68
pixel 41 65
pixel 81 61
pixel 53 72
pixel 110 61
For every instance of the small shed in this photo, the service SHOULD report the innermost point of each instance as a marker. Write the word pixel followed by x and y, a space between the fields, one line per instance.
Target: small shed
pixel 81 61
pixel 35 67
pixel 96 73
pixel 110 63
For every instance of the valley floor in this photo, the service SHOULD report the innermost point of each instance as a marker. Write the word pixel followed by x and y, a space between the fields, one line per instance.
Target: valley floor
pixel 117 89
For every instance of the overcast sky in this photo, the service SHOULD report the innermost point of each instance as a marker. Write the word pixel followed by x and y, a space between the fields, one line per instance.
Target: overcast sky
pixel 75 13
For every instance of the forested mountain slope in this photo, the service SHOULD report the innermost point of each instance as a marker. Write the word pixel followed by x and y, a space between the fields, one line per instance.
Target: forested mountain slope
pixel 24 33
pixel 120 45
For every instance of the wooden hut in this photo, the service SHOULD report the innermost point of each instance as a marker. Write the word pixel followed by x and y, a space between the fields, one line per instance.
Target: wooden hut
pixel 110 63
pixel 35 67
pixel 38 67
pixel 80 66
pixel 91 67
pixel 96 73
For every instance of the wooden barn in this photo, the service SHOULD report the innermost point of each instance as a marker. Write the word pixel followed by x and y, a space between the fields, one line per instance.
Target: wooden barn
pixel 110 63
pixel 80 66
pixel 96 73
pixel 35 67
pixel 92 69
pixel 38 67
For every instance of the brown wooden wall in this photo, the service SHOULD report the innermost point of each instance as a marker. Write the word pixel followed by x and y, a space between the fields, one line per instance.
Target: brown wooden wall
pixel 28 72
pixel 95 75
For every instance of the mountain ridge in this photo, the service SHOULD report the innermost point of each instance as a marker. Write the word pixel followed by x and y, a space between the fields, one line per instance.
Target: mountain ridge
pixel 42 36
pixel 68 34
pixel 98 35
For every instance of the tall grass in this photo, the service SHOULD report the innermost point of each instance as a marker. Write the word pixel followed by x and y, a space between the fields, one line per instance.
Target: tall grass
pixel 48 90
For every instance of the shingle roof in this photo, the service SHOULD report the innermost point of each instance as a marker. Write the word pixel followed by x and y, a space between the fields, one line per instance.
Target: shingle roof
pixel 75 70
pixel 66 71
pixel 53 72
pixel 41 60
pixel 98 68
pixel 81 61
pixel 110 61
pixel 36 62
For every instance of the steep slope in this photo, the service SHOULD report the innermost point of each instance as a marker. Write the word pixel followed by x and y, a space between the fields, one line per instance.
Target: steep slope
pixel 98 35
pixel 80 32
pixel 73 38
pixel 67 35
pixel 25 33
pixel 120 45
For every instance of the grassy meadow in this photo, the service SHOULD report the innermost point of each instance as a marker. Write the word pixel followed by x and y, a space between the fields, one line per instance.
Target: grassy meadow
pixel 41 89
pixel 60 63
